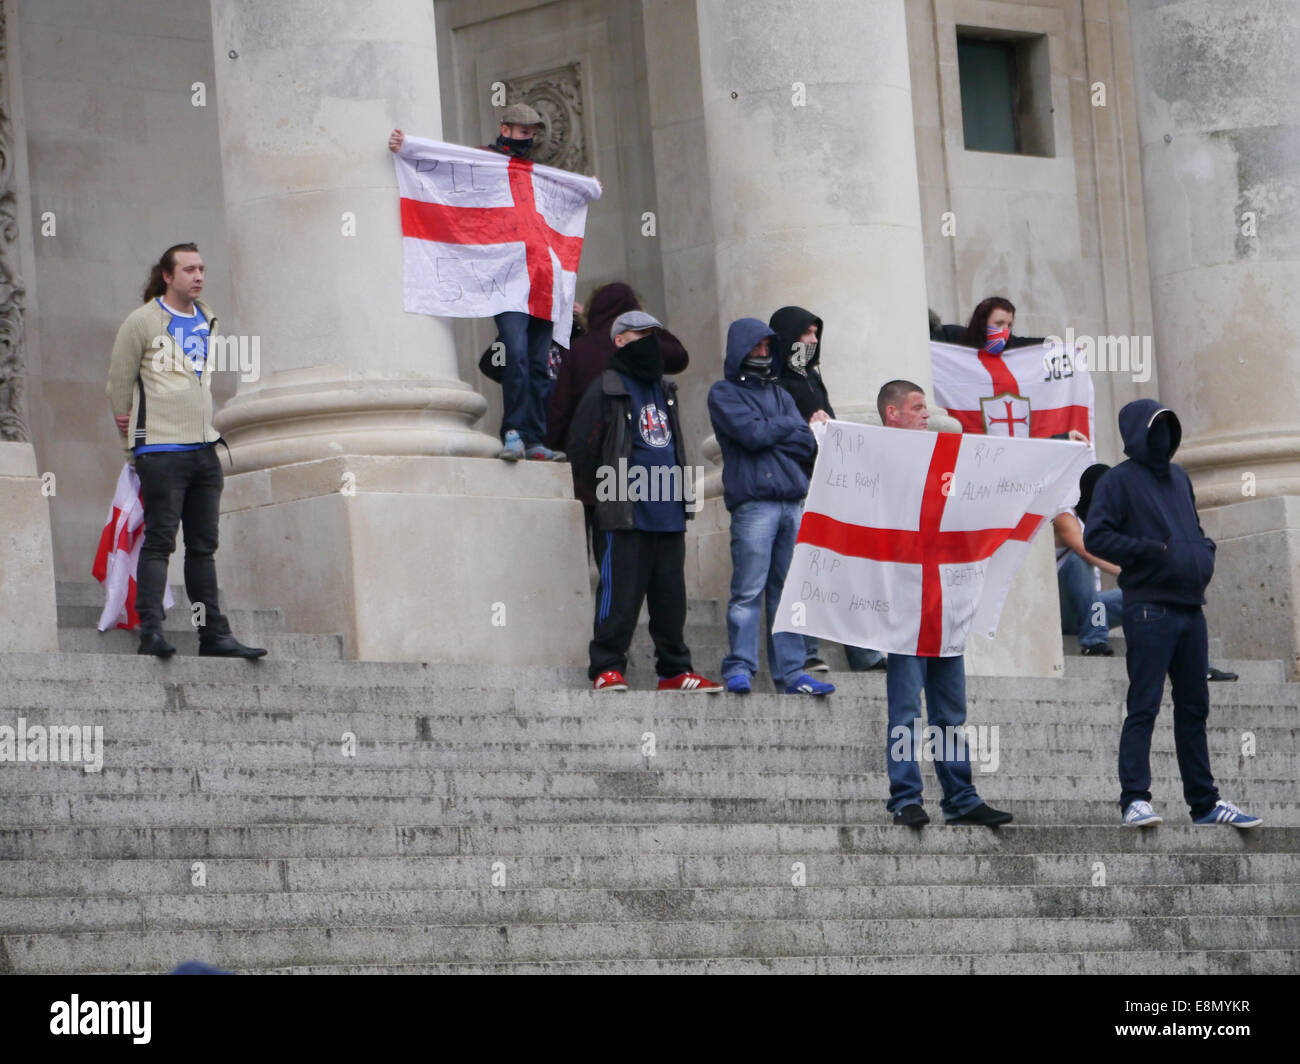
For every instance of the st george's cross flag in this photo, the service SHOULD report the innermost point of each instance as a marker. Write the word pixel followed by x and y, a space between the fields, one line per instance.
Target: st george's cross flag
pixel 484 233
pixel 1039 391
pixel 118 555
pixel 909 538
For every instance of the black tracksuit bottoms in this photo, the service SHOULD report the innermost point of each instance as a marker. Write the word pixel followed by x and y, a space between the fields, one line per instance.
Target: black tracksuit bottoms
pixel 638 566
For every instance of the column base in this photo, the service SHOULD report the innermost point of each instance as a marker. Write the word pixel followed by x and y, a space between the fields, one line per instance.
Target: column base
pixel 453 560
pixel 28 614
pixel 1251 603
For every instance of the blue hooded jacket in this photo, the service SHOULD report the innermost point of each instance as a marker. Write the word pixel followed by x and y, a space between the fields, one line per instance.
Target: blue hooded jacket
pixel 764 438
pixel 1143 515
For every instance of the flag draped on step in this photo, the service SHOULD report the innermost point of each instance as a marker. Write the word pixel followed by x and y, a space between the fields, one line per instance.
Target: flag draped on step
pixel 484 233
pixel 119 554
pixel 1038 391
pixel 908 537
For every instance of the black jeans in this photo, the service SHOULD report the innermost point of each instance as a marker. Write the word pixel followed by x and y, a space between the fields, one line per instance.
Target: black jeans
pixel 640 566
pixel 1166 640
pixel 179 488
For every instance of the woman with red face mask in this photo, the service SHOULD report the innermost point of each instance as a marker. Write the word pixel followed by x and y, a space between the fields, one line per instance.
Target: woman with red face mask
pixel 989 330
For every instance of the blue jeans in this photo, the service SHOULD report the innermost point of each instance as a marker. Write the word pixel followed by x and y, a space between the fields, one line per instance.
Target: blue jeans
pixel 1078 600
pixel 860 658
pixel 762 541
pixel 944 680
pixel 525 378
pixel 1173 641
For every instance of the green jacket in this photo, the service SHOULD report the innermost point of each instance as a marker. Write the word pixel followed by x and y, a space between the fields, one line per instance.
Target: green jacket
pixel 150 379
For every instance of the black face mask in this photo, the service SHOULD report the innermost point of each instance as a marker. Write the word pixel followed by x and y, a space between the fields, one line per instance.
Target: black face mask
pixel 641 360
pixel 758 367
pixel 515 146
pixel 1159 442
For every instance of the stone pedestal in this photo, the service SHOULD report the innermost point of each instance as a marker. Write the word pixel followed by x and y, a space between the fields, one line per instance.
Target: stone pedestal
pixel 28 619
pixel 1251 603
pixel 415 559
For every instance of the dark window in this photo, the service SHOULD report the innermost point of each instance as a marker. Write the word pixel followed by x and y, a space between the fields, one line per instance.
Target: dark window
pixel 1006 96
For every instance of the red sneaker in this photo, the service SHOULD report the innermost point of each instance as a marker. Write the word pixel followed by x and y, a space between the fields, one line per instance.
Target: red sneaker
pixel 691 682
pixel 610 681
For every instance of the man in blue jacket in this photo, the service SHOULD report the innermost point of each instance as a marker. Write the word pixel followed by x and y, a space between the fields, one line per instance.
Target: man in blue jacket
pixel 1143 518
pixel 764 441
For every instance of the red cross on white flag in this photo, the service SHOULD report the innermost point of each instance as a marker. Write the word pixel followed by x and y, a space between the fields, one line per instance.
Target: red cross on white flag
pixel 484 233
pixel 910 537
pixel 1048 385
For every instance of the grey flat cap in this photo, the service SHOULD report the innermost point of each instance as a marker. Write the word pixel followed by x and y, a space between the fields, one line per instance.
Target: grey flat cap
pixel 631 320
pixel 520 114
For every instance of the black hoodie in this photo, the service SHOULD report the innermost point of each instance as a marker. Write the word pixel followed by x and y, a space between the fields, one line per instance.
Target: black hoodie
pixel 1143 516
pixel 804 384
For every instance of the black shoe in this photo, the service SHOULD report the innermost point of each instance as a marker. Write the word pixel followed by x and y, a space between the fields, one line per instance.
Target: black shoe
pixel 227 646
pixel 153 643
pixel 983 814
pixel 911 816
pixel 1220 675
pixel 1101 650
pixel 815 665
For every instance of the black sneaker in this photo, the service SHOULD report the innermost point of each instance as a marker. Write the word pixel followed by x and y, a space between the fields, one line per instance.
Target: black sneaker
pixel 815 665
pixel 911 816
pixel 983 814
pixel 1221 676
pixel 1097 650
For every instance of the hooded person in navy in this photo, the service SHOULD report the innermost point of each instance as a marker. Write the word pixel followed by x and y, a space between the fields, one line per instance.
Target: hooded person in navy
pixel 766 445
pixel 1143 519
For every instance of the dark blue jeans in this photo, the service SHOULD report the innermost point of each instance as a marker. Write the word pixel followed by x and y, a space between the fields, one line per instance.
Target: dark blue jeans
pixel 944 681
pixel 1079 597
pixel 1166 640
pixel 525 378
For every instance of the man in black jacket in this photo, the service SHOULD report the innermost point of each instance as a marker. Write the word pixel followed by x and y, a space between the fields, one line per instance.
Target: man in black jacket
pixel 628 459
pixel 795 361
pixel 1143 519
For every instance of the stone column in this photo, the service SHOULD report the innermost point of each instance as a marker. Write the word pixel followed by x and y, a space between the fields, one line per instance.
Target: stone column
pixel 28 616
pixel 1217 86
pixel 360 501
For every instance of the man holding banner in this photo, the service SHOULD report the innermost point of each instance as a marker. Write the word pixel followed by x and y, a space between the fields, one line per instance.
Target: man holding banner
pixel 907 540
pixel 486 232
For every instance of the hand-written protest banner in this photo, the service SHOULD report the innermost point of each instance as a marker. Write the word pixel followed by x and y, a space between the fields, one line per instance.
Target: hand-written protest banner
pixel 1026 392
pixel 484 233
pixel 910 537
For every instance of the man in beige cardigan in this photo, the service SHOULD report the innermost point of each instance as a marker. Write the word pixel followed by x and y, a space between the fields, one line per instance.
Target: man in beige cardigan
pixel 160 390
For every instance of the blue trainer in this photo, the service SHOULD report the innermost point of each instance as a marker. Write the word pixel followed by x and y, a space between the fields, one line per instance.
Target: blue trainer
pixel 1227 813
pixel 738 683
pixel 803 684
pixel 513 451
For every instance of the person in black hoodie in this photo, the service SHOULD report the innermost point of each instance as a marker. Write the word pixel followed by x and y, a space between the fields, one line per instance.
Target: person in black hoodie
pixel 796 356
pixel 626 433
pixel 1143 519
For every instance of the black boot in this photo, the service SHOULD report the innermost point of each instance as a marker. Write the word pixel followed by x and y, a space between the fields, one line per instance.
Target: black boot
pixel 227 646
pixel 152 642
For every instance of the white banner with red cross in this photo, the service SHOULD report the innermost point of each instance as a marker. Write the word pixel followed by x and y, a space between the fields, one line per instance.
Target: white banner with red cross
pixel 118 556
pixel 909 538
pixel 1026 392
pixel 484 233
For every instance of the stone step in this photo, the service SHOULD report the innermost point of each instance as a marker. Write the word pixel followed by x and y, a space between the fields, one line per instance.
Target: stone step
pixel 1128 962
pixel 297 646
pixel 79 877
pixel 1035 801
pixel 1021 750
pixel 91 593
pixel 541 906
pixel 263 622
pixel 160 950
pixel 215 838
pixel 456 786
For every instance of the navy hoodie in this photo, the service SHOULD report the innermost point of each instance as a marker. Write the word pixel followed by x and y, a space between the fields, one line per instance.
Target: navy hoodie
pixel 1143 517
pixel 764 438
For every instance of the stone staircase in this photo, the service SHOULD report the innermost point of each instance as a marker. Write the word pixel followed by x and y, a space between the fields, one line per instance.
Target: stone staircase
pixel 508 820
